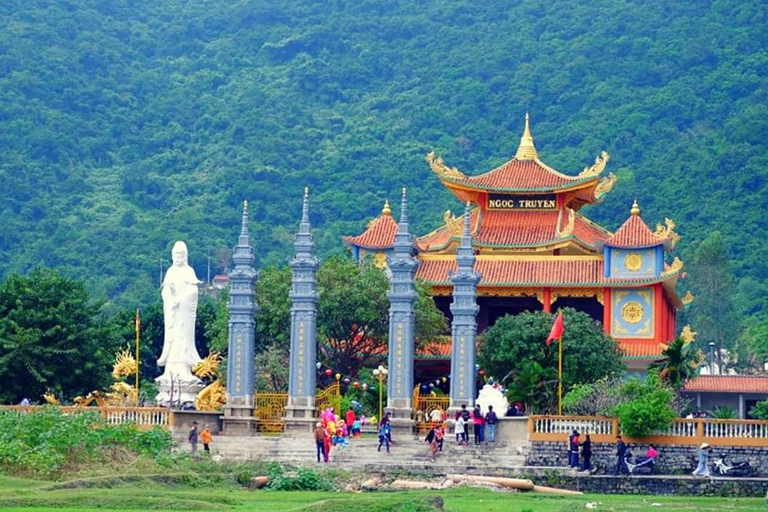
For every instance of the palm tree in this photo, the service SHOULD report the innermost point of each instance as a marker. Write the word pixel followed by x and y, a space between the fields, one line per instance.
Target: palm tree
pixel 680 363
pixel 535 386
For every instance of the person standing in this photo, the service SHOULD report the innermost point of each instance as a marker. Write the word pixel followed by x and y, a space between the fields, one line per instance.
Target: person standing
pixel 478 424
pixel 586 454
pixel 206 438
pixel 621 464
pixel 320 441
pixel 702 469
pixel 573 449
pixel 193 438
pixel 460 427
pixel 350 418
pixel 490 420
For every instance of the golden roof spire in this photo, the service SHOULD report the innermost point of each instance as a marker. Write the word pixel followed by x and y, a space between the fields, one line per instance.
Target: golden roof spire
pixel 526 150
pixel 635 208
pixel 386 210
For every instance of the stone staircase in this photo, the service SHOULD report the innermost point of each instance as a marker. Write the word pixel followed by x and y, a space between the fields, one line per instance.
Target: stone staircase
pixel 361 454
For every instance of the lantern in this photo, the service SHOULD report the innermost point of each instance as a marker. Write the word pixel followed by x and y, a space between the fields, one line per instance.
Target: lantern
pixel 328 372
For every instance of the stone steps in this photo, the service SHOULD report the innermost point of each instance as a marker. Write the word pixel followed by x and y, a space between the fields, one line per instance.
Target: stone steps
pixel 362 452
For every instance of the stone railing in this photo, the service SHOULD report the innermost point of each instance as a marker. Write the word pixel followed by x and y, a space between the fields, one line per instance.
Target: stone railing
pixel 681 431
pixel 142 417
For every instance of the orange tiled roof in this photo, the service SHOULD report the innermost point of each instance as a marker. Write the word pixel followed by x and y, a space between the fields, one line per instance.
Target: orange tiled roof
pixel 641 349
pixel 727 384
pixel 523 271
pixel 520 176
pixel 533 228
pixel 634 233
pixel 441 237
pixel 379 235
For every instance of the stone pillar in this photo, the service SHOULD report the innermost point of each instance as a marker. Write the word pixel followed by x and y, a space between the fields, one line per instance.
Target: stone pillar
pixel 402 327
pixel 300 412
pixel 238 412
pixel 464 327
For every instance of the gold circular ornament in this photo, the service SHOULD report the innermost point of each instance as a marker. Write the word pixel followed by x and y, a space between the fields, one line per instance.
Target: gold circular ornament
pixel 632 312
pixel 633 261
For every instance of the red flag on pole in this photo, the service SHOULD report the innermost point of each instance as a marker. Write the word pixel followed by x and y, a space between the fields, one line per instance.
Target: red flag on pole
pixel 557 329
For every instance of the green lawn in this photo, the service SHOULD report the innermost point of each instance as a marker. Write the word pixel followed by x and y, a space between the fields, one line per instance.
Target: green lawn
pixel 147 494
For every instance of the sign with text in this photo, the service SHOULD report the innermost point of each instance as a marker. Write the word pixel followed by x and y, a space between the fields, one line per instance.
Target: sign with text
pixel 507 202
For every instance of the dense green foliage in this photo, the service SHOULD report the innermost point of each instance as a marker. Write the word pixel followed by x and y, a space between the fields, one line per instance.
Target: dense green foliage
pixel 127 125
pixel 645 407
pixel 352 314
pixel 52 338
pixel 513 351
pixel 43 442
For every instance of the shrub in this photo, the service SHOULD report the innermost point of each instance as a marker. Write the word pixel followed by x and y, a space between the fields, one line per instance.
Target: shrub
pixel 724 413
pixel 42 441
pixel 760 410
pixel 647 406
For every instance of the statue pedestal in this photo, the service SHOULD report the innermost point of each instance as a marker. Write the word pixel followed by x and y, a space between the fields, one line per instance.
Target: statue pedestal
pixel 300 416
pixel 173 390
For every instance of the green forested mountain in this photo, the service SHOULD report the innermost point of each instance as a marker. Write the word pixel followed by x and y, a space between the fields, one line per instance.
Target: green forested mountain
pixel 129 124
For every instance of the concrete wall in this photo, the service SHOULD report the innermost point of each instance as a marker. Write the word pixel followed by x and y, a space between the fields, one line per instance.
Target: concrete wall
pixel 674 485
pixel 181 421
pixel 672 459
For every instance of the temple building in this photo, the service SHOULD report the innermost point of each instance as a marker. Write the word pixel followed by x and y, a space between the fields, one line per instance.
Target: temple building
pixel 536 251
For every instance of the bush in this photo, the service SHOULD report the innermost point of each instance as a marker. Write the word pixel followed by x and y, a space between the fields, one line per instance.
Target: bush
pixel 305 479
pixel 724 413
pixel 647 406
pixel 42 441
pixel 760 410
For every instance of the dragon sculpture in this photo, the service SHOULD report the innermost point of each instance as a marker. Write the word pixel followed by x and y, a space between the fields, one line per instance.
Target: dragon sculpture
pixel 214 395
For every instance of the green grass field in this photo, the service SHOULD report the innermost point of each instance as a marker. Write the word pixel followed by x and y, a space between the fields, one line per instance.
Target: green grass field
pixel 184 491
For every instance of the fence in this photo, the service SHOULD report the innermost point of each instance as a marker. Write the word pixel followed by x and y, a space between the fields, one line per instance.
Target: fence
pixel 142 417
pixel 681 431
pixel 424 408
pixel 270 412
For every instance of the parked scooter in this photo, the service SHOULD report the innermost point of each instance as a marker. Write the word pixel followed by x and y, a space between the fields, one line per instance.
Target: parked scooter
pixel 736 468
pixel 640 466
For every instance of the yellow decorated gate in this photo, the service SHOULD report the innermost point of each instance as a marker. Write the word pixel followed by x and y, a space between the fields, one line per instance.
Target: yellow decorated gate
pixel 428 410
pixel 270 408
pixel 270 412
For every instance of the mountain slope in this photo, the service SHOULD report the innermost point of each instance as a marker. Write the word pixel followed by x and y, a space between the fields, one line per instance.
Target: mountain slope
pixel 128 125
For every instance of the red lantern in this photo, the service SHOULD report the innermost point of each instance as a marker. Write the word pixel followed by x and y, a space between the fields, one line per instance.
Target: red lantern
pixel 481 372
pixel 356 384
pixel 328 372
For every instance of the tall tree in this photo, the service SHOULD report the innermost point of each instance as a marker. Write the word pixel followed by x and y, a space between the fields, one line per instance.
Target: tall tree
pixel 52 337
pixel 712 313
pixel 513 342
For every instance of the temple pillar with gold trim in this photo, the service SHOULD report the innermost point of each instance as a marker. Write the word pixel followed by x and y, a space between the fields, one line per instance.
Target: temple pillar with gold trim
pixel 238 412
pixel 402 328
pixel 464 326
pixel 300 410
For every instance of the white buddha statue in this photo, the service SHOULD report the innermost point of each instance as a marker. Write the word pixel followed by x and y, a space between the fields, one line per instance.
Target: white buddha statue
pixel 179 292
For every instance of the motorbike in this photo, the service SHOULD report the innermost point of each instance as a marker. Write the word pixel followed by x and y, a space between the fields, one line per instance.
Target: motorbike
pixel 639 466
pixel 736 468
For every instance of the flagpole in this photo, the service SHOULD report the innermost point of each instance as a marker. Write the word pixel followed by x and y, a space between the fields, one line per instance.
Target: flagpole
pixel 137 355
pixel 560 377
